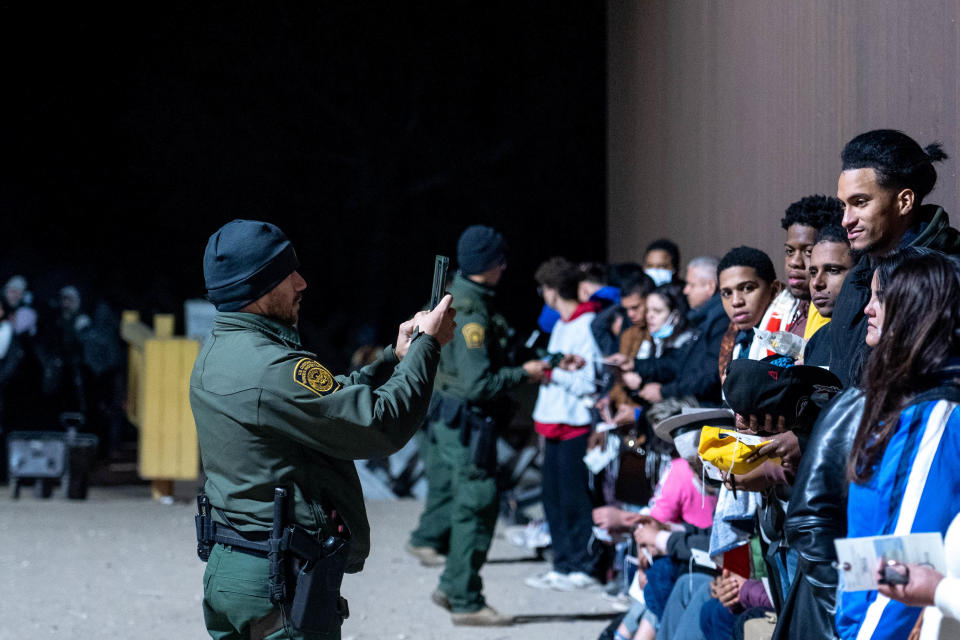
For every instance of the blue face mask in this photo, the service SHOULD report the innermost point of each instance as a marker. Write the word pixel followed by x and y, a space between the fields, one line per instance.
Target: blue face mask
pixel 667 329
pixel 659 276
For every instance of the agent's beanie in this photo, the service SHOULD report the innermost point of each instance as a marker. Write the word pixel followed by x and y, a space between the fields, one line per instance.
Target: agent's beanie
pixel 244 260
pixel 479 249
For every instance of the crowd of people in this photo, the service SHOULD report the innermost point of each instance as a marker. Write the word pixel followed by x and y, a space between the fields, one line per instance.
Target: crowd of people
pixel 747 422
pixel 60 365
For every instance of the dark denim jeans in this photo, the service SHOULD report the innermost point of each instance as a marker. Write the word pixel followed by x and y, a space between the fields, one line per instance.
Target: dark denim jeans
pixel 567 504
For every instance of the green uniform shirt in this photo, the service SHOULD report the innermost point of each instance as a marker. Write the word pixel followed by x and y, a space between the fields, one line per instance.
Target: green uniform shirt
pixel 268 415
pixel 472 364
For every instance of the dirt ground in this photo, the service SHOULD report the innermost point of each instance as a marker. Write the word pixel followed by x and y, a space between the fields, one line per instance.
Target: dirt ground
pixel 120 565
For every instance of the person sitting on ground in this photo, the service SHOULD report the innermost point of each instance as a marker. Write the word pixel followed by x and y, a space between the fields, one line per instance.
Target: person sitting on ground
pixel 679 520
pixel 830 262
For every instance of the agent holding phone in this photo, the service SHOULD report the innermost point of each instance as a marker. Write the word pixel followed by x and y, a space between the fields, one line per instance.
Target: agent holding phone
pixel 269 414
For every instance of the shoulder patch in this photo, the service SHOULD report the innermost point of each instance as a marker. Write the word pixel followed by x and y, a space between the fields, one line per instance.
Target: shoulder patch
pixel 314 376
pixel 473 335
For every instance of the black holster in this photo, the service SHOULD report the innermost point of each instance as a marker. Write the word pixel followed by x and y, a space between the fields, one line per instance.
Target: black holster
pixel 477 425
pixel 317 606
pixel 304 574
pixel 479 435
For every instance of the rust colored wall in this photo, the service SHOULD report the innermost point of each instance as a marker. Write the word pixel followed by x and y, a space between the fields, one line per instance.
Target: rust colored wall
pixel 720 114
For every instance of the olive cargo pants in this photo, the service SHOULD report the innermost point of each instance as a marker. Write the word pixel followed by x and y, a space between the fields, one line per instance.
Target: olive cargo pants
pixel 236 600
pixel 461 512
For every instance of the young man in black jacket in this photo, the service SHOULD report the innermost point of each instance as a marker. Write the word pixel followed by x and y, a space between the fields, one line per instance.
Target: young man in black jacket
pixel 885 177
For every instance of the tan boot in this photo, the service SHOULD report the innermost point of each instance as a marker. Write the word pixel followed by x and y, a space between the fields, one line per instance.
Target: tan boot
pixel 427 556
pixel 486 617
pixel 440 599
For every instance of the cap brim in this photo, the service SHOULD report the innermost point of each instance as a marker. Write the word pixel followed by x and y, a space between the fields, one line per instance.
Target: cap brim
pixel 665 428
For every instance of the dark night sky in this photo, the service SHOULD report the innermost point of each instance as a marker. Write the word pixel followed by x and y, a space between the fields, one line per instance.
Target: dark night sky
pixel 372 134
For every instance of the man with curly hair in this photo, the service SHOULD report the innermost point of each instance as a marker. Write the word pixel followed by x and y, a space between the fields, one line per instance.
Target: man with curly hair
pixel 803 219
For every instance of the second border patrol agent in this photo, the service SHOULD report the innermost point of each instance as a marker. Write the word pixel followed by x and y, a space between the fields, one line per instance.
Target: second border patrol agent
pixel 460 447
pixel 269 414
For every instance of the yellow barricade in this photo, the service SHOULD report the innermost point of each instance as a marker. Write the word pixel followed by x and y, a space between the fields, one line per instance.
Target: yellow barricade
pixel 158 400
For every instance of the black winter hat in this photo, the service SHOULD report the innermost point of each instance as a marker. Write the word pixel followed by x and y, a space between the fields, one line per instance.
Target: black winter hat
pixel 479 249
pixel 758 387
pixel 244 260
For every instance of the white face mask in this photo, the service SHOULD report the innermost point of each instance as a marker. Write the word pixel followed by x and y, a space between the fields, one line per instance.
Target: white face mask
pixel 659 276
pixel 687 444
pixel 712 472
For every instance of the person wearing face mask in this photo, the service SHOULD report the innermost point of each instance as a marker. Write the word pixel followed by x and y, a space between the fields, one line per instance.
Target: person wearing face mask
pixel 690 370
pixel 661 261
pixel 666 316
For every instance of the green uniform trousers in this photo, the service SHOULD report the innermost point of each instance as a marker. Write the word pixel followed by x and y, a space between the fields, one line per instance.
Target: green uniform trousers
pixel 461 513
pixel 236 600
pixel 433 529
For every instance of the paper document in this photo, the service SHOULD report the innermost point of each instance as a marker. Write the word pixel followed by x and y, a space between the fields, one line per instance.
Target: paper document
pixel 858 558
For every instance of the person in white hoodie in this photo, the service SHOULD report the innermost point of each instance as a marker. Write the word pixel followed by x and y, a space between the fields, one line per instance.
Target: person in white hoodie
pixel 562 416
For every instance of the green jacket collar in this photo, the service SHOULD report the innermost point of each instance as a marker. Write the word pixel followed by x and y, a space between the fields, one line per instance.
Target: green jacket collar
pixel 934 231
pixel 239 320
pixel 462 282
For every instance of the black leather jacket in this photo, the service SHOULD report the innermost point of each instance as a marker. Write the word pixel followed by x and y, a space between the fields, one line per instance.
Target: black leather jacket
pixel 816 516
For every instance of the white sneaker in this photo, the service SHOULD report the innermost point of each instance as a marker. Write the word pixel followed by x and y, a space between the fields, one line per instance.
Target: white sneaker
pixel 618 601
pixel 547 580
pixel 576 581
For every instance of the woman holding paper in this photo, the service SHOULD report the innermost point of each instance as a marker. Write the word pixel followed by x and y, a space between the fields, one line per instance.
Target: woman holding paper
pixel 928 587
pixel 903 471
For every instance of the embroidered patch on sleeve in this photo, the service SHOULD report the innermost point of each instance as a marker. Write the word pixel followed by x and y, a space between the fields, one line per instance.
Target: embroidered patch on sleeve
pixel 314 376
pixel 473 335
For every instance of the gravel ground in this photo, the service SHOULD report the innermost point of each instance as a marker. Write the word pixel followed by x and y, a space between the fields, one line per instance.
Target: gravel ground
pixel 120 565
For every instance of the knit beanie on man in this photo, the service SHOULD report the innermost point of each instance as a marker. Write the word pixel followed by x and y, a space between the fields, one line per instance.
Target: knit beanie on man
pixel 479 249
pixel 244 260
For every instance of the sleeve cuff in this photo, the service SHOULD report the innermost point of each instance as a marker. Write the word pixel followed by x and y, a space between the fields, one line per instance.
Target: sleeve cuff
pixel 947 597
pixel 662 538
pixel 390 355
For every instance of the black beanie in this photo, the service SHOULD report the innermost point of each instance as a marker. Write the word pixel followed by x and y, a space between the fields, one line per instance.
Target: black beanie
pixel 244 260
pixel 479 249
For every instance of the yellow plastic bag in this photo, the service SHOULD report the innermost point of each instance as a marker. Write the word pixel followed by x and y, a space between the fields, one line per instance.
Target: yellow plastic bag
pixel 728 450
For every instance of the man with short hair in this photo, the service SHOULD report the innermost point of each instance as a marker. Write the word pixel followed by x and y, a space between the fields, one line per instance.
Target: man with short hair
pixel 830 262
pixel 884 179
pixel 802 220
pixel 701 281
pixel 562 416
pixel 459 449
pixel 633 302
pixel 270 416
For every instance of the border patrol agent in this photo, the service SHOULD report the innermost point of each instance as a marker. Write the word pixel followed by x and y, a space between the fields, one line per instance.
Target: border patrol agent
pixel 460 446
pixel 271 417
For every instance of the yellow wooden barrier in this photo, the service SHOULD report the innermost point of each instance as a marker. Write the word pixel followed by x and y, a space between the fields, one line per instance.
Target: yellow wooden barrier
pixel 158 400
